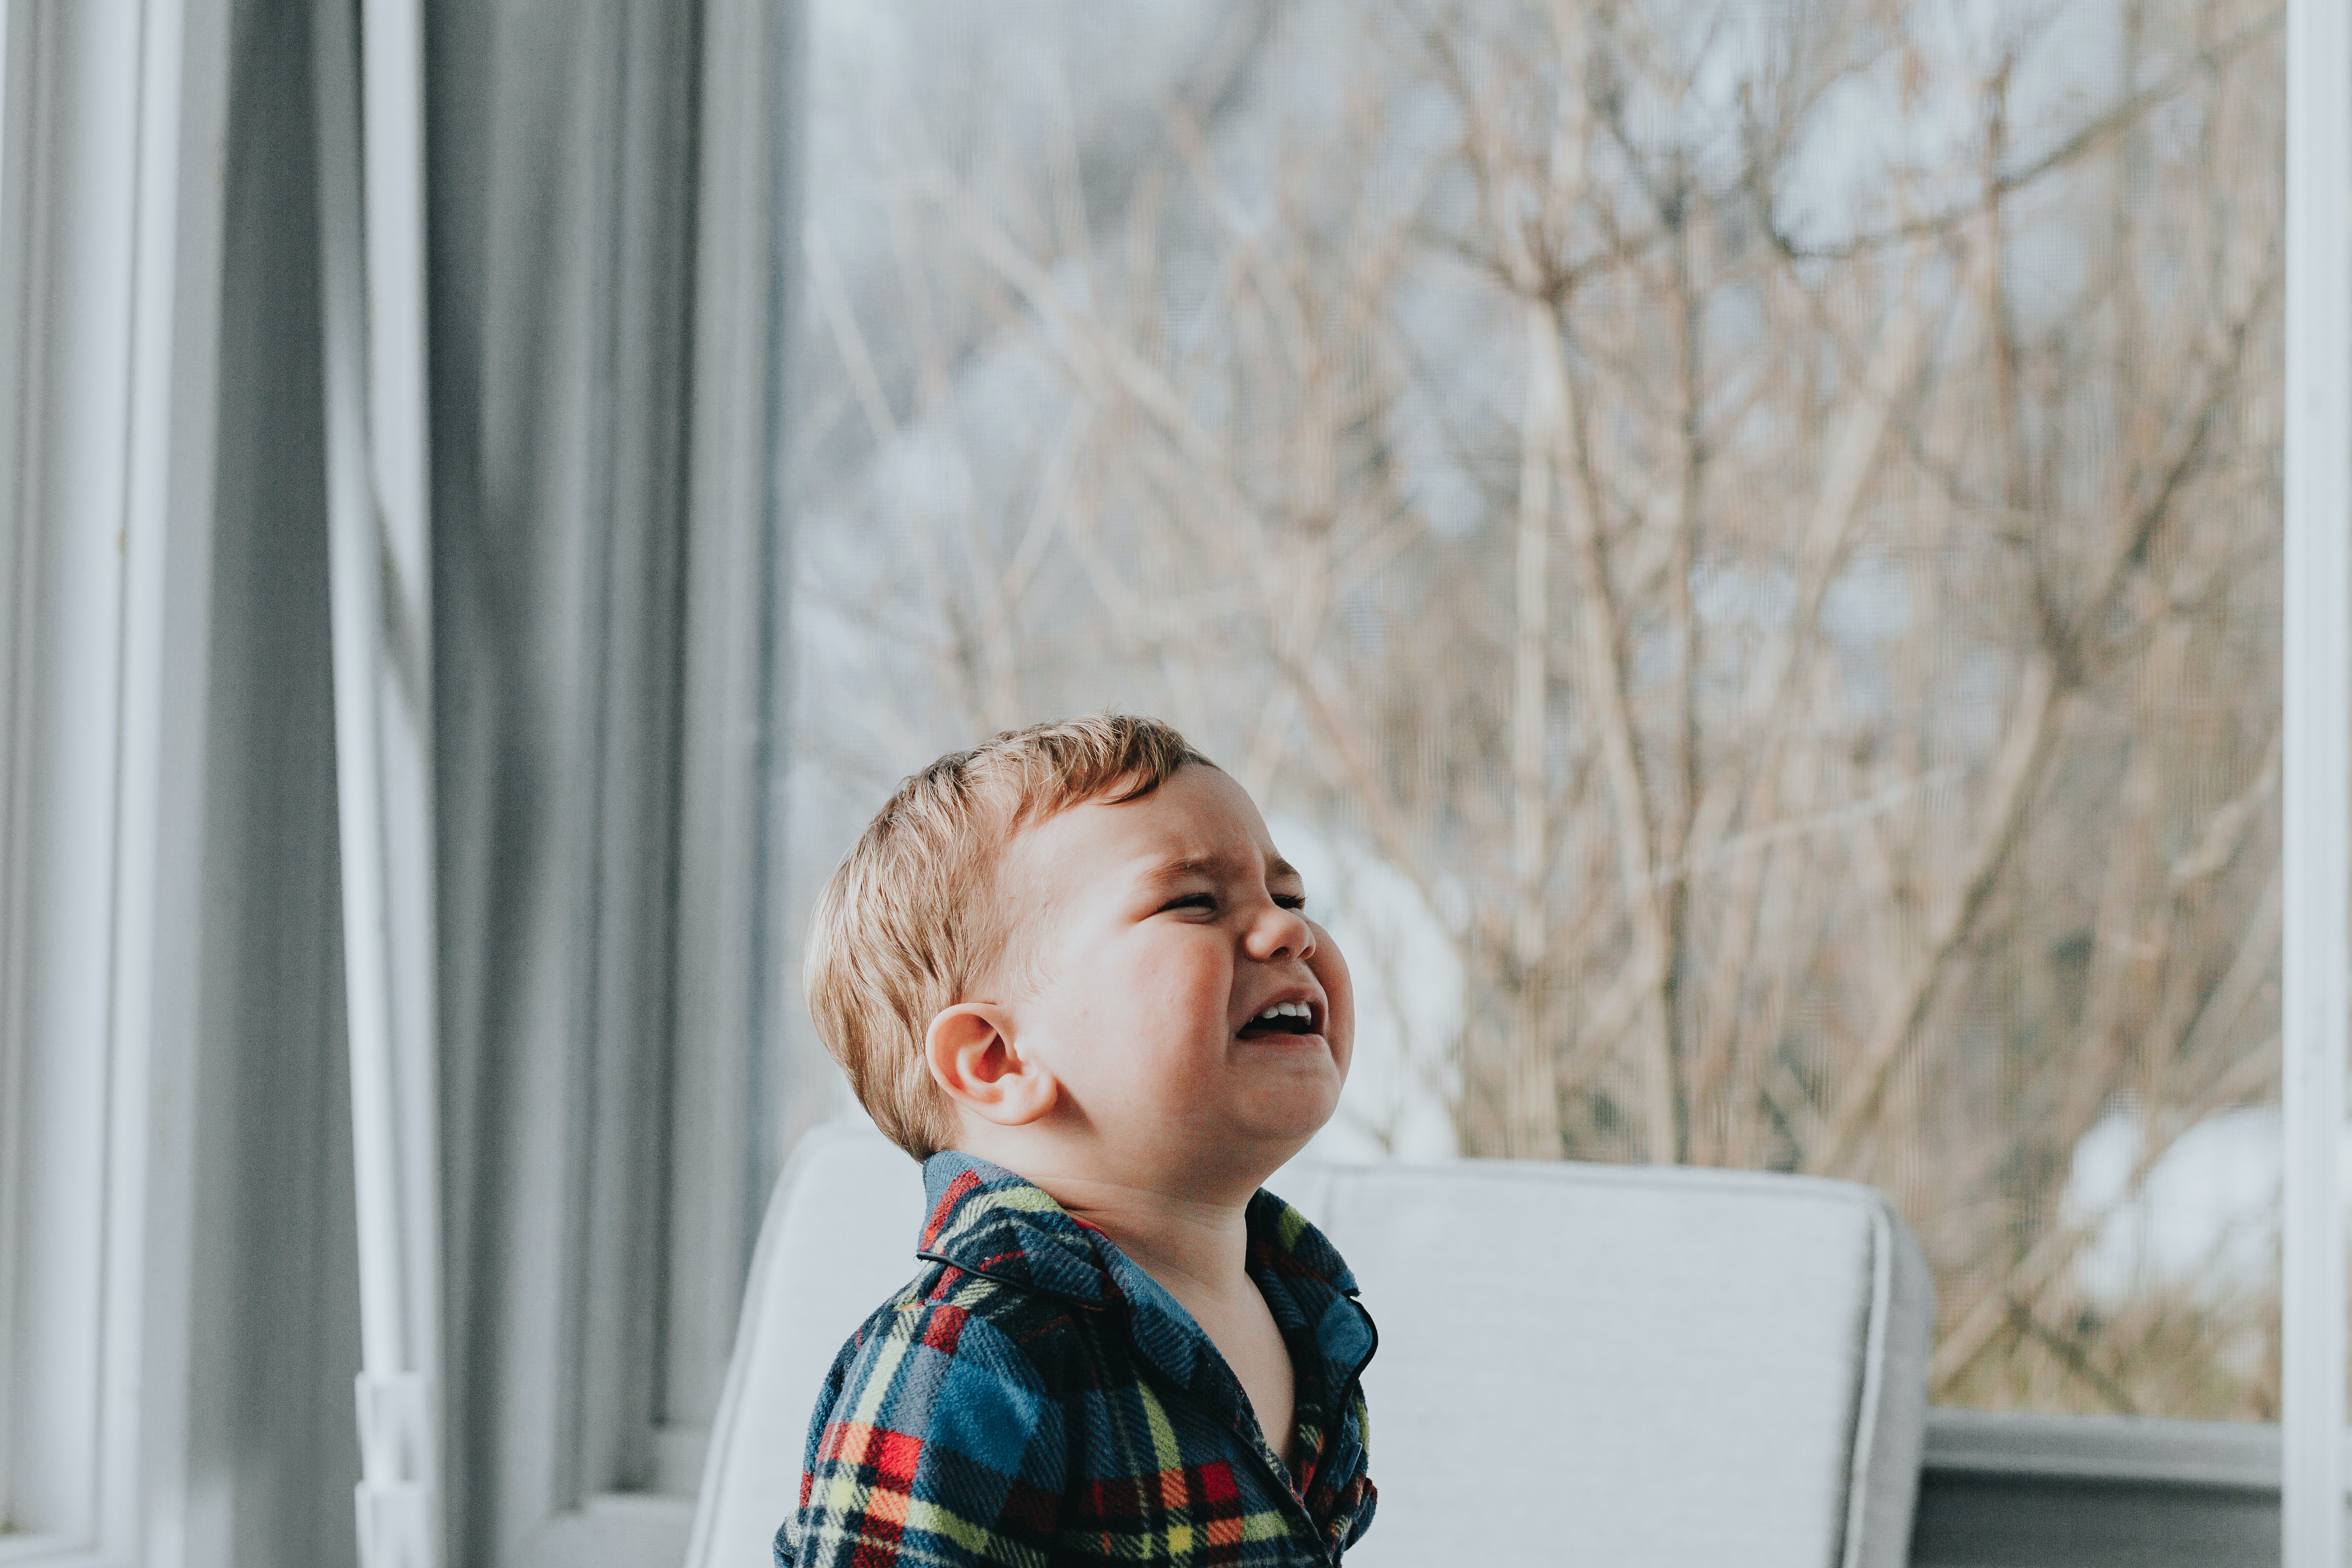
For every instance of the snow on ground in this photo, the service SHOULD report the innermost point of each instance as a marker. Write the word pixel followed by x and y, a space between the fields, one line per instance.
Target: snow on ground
pixel 2207 1216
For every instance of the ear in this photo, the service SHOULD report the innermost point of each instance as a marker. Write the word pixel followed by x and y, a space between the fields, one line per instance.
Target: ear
pixel 971 1053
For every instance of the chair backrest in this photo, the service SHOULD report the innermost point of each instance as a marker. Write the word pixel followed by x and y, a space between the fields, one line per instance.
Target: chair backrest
pixel 1578 1364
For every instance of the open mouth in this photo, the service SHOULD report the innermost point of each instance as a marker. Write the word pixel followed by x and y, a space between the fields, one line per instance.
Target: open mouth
pixel 1282 1018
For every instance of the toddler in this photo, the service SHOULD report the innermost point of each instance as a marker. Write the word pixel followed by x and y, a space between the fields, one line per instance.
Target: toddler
pixel 1068 971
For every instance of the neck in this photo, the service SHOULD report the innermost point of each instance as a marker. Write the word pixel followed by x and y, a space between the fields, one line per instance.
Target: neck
pixel 1187 1228
pixel 1180 1241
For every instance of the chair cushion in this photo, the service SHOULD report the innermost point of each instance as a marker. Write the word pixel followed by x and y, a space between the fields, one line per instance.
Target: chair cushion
pixel 1578 1364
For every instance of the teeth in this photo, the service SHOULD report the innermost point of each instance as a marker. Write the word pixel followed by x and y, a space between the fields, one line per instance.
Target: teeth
pixel 1286 1010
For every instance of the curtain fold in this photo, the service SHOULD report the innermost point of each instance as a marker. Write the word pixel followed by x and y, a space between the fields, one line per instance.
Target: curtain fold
pixel 560 195
pixel 590 674
pixel 277 1329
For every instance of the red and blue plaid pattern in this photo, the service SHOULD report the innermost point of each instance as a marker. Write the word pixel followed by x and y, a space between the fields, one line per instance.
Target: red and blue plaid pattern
pixel 1034 1397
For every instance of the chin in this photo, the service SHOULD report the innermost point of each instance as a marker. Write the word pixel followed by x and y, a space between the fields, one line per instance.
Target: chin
pixel 1290 1121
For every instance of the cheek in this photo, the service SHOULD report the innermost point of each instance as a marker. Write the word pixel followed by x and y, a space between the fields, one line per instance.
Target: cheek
pixel 1199 971
pixel 1146 984
pixel 1330 972
pixel 1182 989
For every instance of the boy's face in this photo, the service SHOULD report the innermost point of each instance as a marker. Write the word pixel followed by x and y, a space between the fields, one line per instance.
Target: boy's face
pixel 1149 939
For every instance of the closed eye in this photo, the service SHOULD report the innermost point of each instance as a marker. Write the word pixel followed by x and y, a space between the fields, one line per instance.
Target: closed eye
pixel 1208 902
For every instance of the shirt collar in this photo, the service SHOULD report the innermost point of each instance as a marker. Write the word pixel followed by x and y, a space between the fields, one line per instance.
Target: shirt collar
pixel 987 1221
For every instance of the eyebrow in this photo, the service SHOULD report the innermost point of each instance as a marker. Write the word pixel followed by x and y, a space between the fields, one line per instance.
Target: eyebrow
pixel 1212 866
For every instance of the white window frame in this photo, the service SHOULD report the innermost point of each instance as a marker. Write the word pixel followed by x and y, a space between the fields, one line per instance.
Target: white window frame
pixel 2317 776
pixel 112 116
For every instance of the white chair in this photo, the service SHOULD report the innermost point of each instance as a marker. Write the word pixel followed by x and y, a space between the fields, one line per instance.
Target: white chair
pixel 1578 1364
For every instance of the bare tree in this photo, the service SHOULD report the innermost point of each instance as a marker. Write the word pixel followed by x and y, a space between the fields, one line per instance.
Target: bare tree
pixel 1808 610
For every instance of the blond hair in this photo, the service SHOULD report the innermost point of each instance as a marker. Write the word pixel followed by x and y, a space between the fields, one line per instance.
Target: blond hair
pixel 907 924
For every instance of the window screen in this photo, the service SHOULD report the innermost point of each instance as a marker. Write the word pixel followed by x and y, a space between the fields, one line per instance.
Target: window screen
pixel 1736 545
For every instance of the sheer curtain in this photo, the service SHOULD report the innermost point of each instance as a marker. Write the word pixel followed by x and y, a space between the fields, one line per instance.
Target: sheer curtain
pixel 606 186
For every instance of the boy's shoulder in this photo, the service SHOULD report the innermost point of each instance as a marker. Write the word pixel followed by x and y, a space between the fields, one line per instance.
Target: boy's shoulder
pixel 940 1415
pixel 1030 1337
pixel 1009 1313
pixel 1008 1303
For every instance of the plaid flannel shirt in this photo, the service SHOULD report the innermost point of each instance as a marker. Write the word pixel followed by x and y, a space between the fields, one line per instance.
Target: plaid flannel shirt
pixel 1036 1397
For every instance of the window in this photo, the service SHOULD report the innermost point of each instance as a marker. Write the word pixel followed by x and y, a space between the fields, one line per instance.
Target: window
pixel 1740 544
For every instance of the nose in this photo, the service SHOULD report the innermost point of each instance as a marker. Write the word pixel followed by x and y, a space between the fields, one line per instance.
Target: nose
pixel 1278 934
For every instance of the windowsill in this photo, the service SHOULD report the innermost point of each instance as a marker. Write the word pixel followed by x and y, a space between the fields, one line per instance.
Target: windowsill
pixel 2133 1450
pixel 2004 1490
pixel 617 1529
pixel 2122 1449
